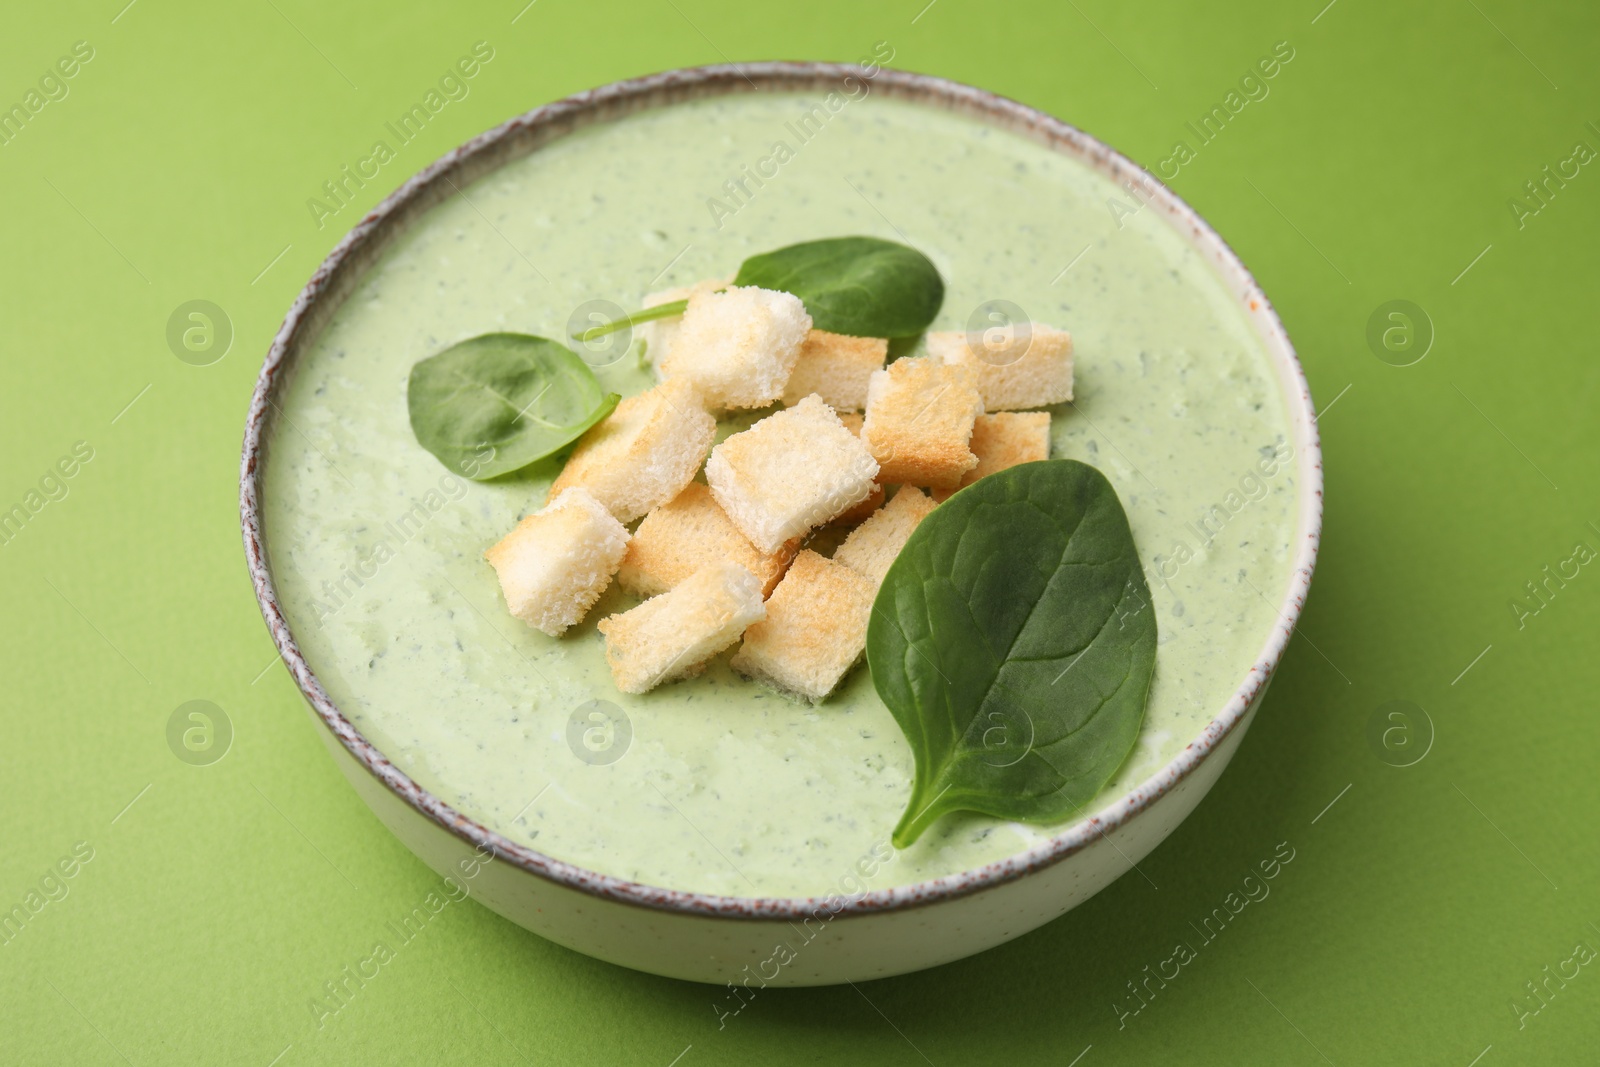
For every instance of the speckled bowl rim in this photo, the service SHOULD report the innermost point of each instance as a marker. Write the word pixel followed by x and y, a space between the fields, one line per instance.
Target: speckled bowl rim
pixel 526 133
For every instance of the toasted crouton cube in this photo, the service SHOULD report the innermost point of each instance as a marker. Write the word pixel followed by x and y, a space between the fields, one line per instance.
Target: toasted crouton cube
pixel 792 471
pixel 672 635
pixel 919 420
pixel 658 334
pixel 1018 367
pixel 738 346
pixel 557 562
pixel 871 503
pixel 836 367
pixel 875 544
pixel 642 454
pixel 815 629
pixel 874 500
pixel 1003 440
pixel 690 532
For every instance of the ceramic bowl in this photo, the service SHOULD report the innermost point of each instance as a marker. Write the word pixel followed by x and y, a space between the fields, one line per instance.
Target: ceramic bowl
pixel 774 941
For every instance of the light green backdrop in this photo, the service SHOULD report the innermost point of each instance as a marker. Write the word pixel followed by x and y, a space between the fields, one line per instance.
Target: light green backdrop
pixel 1417 906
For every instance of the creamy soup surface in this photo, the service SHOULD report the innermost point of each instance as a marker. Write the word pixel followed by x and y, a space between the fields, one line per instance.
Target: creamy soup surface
pixel 714 784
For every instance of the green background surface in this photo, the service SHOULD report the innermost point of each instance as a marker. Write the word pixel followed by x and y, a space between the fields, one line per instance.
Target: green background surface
pixel 1421 899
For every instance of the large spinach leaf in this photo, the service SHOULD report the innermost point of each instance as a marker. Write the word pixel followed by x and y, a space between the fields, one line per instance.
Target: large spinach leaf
pixel 1014 640
pixel 496 403
pixel 861 286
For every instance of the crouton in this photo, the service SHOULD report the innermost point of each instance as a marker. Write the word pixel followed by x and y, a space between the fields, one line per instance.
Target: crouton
pixel 919 420
pixel 672 635
pixel 738 346
pixel 690 532
pixel 815 629
pixel 658 334
pixel 790 472
pixel 875 544
pixel 557 562
pixel 642 454
pixel 835 367
pixel 871 503
pixel 1003 440
pixel 874 500
pixel 1017 367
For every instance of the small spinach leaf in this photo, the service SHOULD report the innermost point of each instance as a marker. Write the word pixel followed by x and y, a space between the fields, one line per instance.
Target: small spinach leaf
pixel 862 286
pixel 1014 640
pixel 495 403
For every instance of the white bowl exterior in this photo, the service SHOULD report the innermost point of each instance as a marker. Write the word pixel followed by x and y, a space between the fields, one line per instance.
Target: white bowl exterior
pixel 826 951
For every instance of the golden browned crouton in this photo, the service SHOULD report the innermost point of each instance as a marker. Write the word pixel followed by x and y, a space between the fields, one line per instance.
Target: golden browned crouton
pixel 688 533
pixel 836 367
pixel 672 635
pixel 852 422
pixel 815 629
pixel 1018 367
pixel 642 454
pixel 1003 440
pixel 919 422
pixel 873 545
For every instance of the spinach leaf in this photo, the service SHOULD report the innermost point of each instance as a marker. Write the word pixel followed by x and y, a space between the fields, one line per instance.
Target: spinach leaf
pixel 496 403
pixel 1014 640
pixel 861 286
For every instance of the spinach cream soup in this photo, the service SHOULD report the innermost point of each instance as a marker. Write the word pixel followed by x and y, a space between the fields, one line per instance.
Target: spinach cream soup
pixel 714 784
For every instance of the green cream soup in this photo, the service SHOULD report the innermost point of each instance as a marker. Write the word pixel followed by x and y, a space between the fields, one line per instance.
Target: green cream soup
pixel 714 784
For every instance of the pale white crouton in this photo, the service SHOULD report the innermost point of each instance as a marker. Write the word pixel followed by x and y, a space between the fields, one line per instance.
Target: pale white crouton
pixel 642 454
pixel 738 346
pixel 790 472
pixel 558 561
pixel 658 334
pixel 688 533
pixel 875 544
pixel 672 635
pixel 1003 440
pixel 815 629
pixel 836 367
pixel 919 421
pixel 1018 367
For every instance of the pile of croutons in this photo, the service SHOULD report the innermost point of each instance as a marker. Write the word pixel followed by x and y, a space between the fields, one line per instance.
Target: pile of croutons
pixel 721 561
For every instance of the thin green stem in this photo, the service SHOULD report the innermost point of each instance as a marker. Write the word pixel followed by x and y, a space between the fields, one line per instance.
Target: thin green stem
pixel 660 311
pixel 917 818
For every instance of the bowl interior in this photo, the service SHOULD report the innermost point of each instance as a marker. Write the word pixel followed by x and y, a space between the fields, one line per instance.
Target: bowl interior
pixel 385 228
